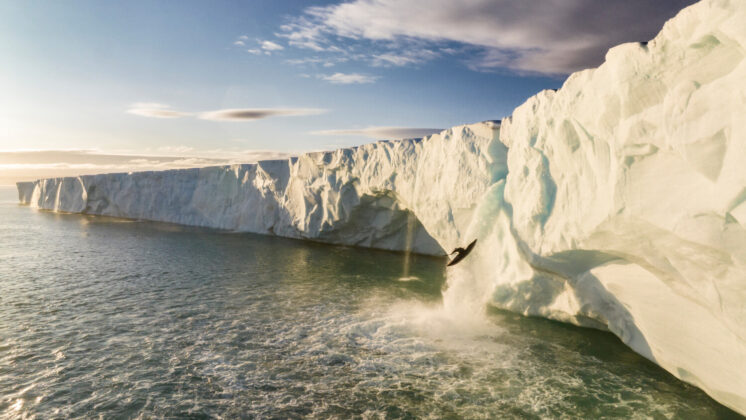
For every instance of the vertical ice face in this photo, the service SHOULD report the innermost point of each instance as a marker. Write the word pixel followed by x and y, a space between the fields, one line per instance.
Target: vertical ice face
pixel 617 202
pixel 415 195
pixel 624 203
pixel 25 191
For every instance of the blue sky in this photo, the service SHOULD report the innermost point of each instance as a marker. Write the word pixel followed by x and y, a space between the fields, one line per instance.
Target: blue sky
pixel 219 81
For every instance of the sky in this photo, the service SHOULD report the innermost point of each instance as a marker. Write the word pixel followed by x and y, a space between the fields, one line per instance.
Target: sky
pixel 101 86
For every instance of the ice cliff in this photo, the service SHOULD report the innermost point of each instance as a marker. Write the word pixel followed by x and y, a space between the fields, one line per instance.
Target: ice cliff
pixel 617 202
pixel 366 196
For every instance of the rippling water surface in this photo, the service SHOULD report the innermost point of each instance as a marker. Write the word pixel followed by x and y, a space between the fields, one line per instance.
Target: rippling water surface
pixel 103 317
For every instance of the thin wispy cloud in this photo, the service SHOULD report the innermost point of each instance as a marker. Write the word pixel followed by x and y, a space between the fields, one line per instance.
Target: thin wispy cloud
pixel 250 114
pixel 316 61
pixel 305 32
pixel 547 36
pixel 404 58
pixel 381 132
pixel 348 78
pixel 305 61
pixel 157 110
pixel 263 47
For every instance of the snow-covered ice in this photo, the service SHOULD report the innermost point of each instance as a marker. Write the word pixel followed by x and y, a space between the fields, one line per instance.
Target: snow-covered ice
pixel 617 202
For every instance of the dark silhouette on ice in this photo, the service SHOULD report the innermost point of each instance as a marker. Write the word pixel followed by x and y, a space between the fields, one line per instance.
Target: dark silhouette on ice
pixel 462 253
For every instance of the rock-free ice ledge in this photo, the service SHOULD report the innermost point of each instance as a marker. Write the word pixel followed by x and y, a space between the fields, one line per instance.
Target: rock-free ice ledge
pixel 617 202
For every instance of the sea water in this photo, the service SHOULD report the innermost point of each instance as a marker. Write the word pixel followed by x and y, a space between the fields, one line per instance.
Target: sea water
pixel 103 317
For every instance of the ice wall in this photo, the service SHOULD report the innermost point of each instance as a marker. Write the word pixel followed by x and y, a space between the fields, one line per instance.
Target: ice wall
pixel 25 191
pixel 617 202
pixel 625 203
pixel 362 196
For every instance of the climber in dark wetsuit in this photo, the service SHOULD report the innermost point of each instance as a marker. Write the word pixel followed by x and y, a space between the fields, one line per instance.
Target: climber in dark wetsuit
pixel 462 253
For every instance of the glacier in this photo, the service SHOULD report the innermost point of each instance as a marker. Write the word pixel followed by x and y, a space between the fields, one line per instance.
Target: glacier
pixel 617 202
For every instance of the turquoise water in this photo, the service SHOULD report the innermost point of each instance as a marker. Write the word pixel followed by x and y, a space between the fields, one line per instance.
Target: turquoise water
pixel 111 318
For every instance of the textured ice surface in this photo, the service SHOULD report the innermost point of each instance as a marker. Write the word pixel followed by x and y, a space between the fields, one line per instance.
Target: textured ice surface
pixel 628 194
pixel 365 196
pixel 617 202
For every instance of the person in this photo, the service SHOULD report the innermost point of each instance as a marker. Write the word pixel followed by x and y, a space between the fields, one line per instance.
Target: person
pixel 462 253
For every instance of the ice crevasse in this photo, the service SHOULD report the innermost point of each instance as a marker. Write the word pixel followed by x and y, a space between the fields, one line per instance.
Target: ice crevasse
pixel 617 202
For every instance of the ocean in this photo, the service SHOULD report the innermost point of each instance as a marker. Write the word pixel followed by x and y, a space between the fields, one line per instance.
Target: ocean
pixel 111 318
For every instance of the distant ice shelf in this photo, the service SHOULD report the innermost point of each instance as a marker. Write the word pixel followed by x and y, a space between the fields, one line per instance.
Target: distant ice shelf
pixel 617 202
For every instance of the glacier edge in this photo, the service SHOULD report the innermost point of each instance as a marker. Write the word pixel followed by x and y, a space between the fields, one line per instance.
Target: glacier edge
pixel 617 202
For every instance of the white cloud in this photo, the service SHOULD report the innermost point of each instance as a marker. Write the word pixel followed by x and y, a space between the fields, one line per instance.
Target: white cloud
pixel 241 41
pixel 155 110
pixel 316 61
pixel 271 46
pixel 348 78
pixel 404 58
pixel 381 132
pixel 542 36
pixel 250 114
pixel 304 61
pixel 254 51
pixel 303 33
